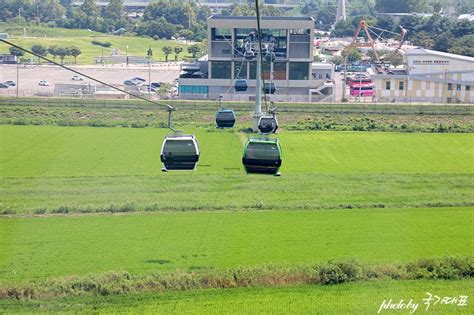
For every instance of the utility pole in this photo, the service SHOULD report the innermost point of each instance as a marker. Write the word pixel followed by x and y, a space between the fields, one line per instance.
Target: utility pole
pixel 126 53
pixel 149 55
pixel 344 99
pixel 258 94
pixel 17 77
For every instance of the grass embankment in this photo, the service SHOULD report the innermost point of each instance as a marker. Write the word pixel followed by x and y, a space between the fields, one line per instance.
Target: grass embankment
pixel 138 115
pixel 348 298
pixel 37 248
pixel 137 46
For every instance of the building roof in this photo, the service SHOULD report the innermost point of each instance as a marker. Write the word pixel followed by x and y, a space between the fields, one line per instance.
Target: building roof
pixel 268 18
pixel 469 17
pixel 423 51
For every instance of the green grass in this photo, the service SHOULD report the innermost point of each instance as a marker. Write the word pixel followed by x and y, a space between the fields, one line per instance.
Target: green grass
pixel 94 167
pixel 397 197
pixel 36 248
pixel 46 168
pixel 360 298
pixel 16 30
pixel 48 151
pixel 137 46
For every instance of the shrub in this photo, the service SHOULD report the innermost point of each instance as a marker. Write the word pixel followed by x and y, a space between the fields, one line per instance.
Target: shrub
pixel 61 209
pixel 103 44
pixel 267 275
pixel 7 211
pixel 40 211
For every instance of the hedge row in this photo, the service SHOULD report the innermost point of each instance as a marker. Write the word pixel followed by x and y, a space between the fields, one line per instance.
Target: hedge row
pixel 330 273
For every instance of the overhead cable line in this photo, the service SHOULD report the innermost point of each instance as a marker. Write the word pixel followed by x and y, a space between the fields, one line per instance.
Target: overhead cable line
pixel 259 38
pixel 166 106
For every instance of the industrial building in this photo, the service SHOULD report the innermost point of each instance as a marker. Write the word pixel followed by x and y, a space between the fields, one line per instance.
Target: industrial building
pixel 428 76
pixel 295 76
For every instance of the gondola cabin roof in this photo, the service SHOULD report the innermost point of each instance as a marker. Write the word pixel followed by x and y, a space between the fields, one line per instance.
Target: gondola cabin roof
pixel 225 118
pixel 179 152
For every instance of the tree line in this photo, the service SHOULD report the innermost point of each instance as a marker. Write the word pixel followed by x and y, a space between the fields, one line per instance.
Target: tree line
pixel 54 50
pixel 187 19
pixel 161 19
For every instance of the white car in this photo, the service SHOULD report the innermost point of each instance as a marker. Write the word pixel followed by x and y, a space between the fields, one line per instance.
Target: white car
pixel 43 83
pixel 77 78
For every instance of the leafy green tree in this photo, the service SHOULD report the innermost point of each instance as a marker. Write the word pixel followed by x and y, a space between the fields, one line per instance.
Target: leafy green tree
pixel 423 39
pixel 167 50
pixel 75 52
pixel 114 10
pixel 16 52
pixel 463 46
pixel 401 6
pixel 443 41
pixel 462 28
pixel 62 53
pixel 159 28
pixel 386 23
pixel 177 51
pixel 351 53
pixel 40 50
pixel 49 10
pixel 90 8
pixel 343 28
pixel 194 50
pixel 187 34
pixel 53 50
pixel 394 57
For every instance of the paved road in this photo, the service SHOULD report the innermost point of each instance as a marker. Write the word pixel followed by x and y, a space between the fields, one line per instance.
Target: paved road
pixel 30 75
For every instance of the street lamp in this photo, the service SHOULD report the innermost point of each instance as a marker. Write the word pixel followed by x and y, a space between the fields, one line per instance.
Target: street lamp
pixel 344 99
pixel 149 56
pixel 126 53
pixel 91 32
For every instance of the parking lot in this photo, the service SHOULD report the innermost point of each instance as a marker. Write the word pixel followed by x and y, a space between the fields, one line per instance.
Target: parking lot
pixel 30 75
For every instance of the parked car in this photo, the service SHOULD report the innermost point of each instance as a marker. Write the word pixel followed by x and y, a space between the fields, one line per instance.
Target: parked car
pixel 43 83
pixel 138 79
pixel 77 78
pixel 137 82
pixel 152 88
pixel 128 82
pixel 9 83
pixel 3 86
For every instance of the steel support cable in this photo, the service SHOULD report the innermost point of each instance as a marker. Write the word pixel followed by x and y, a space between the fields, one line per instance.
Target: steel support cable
pixel 233 79
pixel 381 29
pixel 379 36
pixel 259 38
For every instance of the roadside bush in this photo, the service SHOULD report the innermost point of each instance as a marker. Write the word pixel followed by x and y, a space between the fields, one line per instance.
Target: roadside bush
pixel 61 209
pixel 446 268
pixel 7 211
pixel 268 275
pixel 40 211
pixel 103 44
pixel 334 273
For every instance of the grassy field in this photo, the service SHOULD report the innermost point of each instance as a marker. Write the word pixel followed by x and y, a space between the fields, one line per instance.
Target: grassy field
pixel 36 248
pixel 137 46
pixel 45 168
pixel 378 197
pixel 49 151
pixel 360 298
